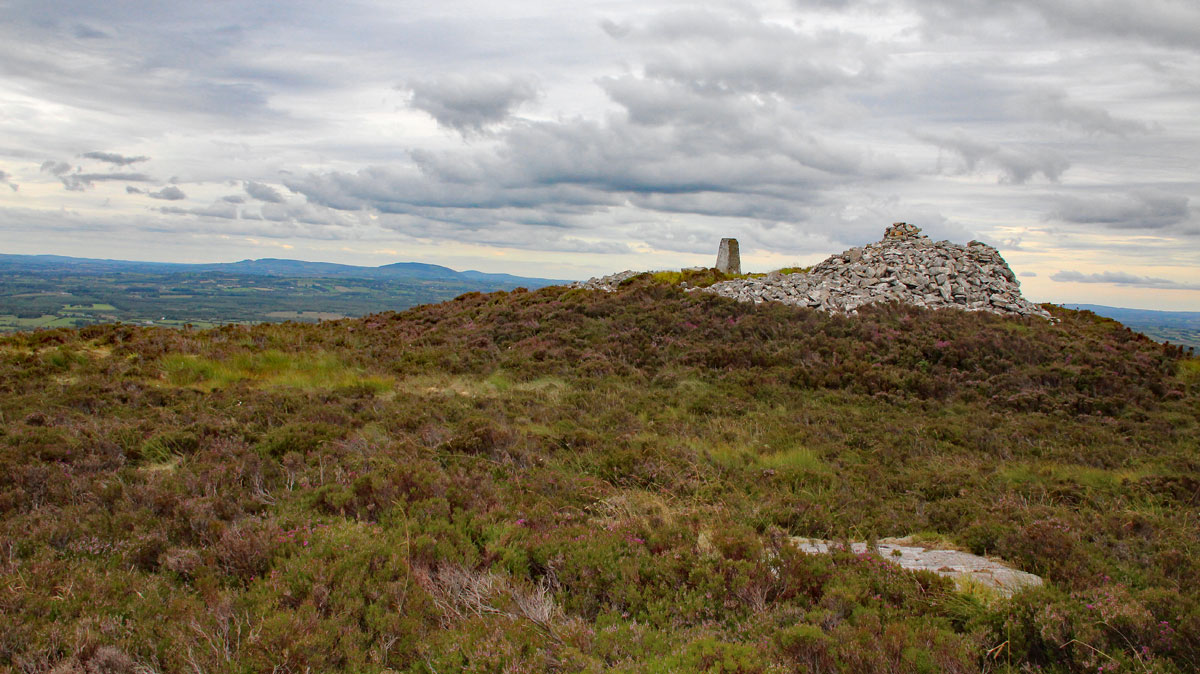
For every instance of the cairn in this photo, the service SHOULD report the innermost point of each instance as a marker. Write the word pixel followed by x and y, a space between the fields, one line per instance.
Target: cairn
pixel 906 267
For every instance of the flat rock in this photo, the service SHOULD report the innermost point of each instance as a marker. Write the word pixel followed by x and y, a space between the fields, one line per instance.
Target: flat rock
pixel 963 567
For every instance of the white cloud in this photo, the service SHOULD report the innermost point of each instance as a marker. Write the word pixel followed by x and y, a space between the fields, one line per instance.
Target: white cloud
pixel 1122 278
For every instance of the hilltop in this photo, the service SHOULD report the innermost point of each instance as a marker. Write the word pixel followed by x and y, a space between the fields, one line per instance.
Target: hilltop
pixel 572 480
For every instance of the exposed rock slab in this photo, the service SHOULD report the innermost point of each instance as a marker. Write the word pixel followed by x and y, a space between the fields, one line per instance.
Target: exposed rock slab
pixel 963 567
pixel 905 267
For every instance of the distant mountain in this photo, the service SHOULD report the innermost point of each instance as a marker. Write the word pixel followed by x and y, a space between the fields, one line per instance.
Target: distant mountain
pixel 266 267
pixel 1176 327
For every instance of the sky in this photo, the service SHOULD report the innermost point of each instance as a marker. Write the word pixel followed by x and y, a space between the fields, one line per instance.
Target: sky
pixel 566 140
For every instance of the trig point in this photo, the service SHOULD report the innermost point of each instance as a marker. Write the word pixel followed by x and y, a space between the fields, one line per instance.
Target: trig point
pixel 729 260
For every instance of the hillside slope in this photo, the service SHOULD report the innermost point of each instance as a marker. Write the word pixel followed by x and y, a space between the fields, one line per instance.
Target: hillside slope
pixel 572 480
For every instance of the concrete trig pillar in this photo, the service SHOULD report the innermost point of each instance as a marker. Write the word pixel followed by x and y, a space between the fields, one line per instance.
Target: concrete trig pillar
pixel 729 259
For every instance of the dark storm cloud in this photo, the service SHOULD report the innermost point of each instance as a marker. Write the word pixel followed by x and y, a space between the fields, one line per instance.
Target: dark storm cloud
pixel 168 193
pixel 1148 209
pixel 263 192
pixel 470 103
pixel 1122 278
pixel 113 158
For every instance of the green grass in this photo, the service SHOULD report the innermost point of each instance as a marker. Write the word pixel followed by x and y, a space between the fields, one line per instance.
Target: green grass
pixel 1086 476
pixel 800 459
pixel 1189 371
pixel 268 368
pixel 98 306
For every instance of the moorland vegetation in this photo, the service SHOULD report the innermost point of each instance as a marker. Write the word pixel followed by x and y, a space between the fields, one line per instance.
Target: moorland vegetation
pixel 577 481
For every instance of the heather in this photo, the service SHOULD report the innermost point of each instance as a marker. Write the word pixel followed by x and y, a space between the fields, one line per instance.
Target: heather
pixel 570 480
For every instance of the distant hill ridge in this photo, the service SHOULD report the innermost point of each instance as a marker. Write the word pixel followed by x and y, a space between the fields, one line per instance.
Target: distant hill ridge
pixel 267 267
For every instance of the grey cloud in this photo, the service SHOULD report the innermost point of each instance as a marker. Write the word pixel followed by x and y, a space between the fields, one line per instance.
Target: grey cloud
pixel 1018 163
pixel 614 29
pixel 504 230
pixel 543 165
pixel 296 213
pixel 78 182
pixel 689 140
pixel 234 199
pixel 55 167
pixel 1028 274
pixel 88 33
pixel 1157 22
pixel 1053 107
pixel 1121 278
pixel 222 210
pixel 1138 209
pixel 1175 22
pixel 470 103
pixel 130 189
pixel 714 52
pixel 113 158
pixel 6 179
pixel 168 193
pixel 263 192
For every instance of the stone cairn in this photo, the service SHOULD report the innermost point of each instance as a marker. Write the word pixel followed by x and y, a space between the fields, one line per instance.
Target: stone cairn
pixel 904 267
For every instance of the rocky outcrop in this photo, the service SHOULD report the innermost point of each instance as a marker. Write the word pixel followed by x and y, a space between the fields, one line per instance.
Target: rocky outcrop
pixel 906 267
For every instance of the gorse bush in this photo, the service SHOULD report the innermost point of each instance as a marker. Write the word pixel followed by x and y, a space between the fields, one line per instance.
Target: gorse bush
pixel 568 480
